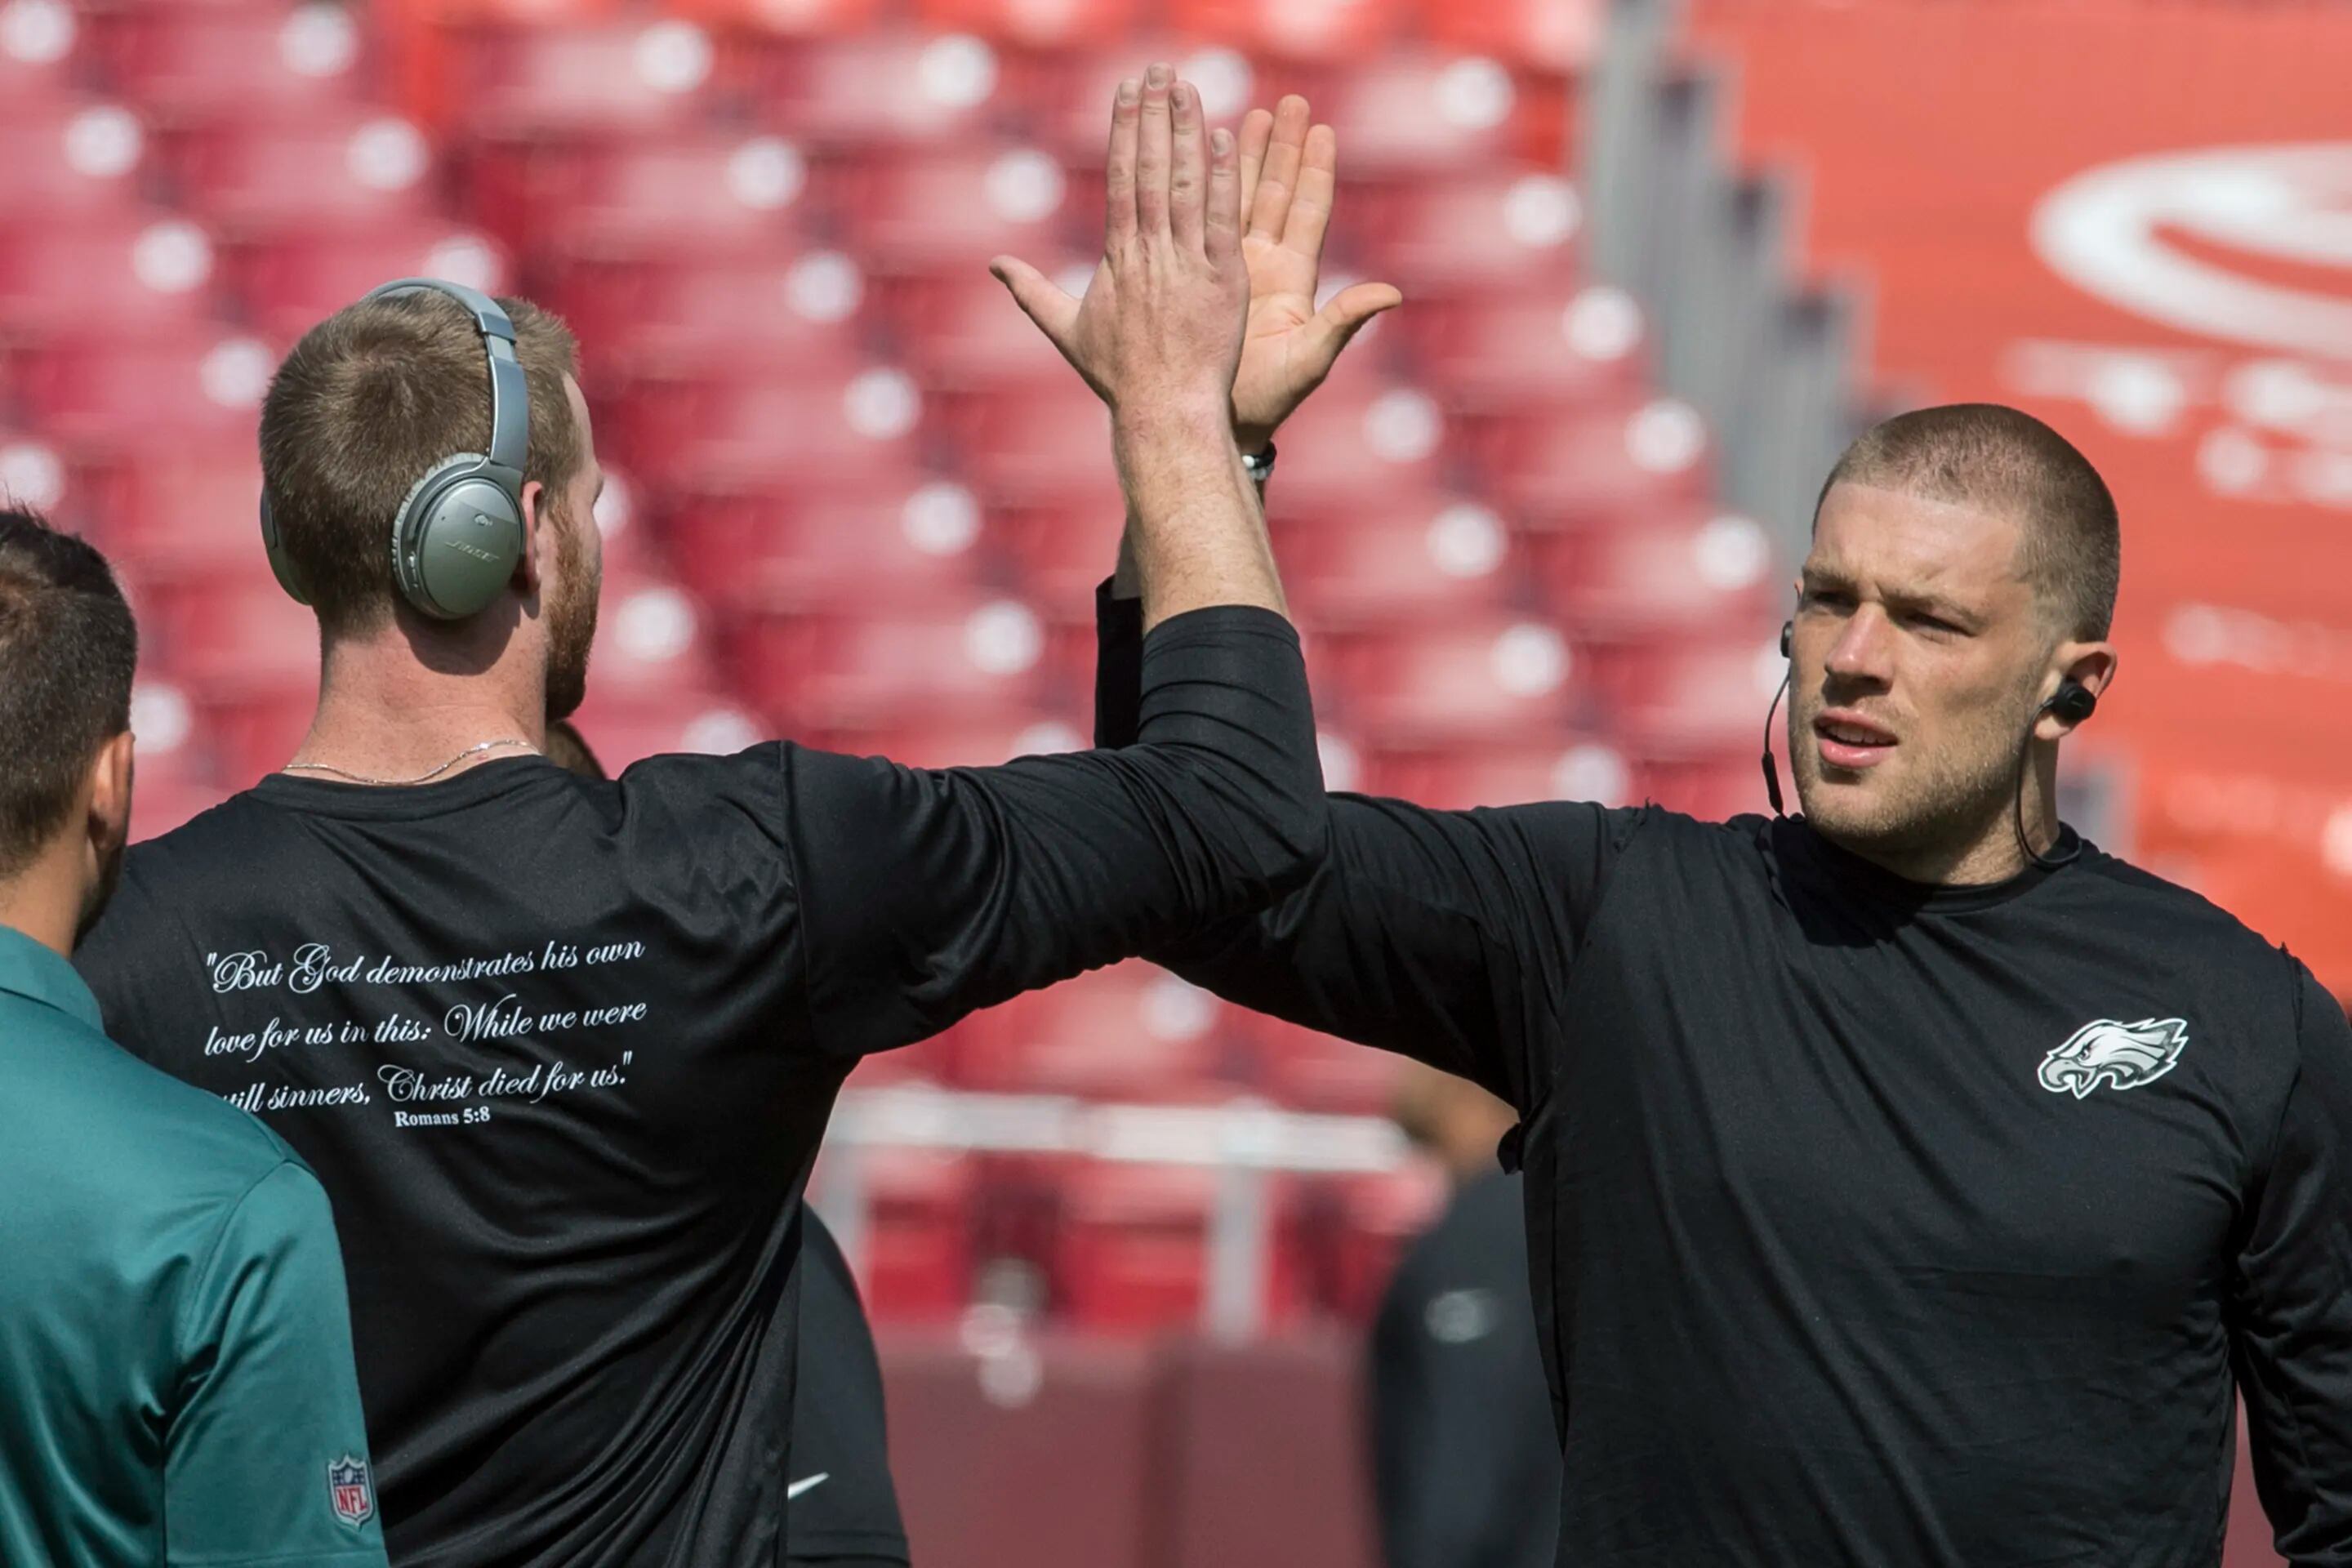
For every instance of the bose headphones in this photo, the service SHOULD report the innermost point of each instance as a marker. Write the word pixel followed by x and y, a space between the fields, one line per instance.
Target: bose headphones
pixel 456 539
pixel 2072 701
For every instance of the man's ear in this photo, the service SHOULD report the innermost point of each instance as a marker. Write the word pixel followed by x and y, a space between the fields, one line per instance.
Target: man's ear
pixel 2090 665
pixel 530 569
pixel 109 820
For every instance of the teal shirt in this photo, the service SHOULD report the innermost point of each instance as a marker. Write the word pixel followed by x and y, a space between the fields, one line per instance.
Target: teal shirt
pixel 175 1351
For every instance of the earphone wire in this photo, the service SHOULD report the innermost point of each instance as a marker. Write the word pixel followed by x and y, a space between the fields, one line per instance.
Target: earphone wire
pixel 2025 756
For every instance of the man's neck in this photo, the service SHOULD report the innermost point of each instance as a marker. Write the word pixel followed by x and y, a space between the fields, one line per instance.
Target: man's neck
pixel 383 715
pixel 1988 854
pixel 44 900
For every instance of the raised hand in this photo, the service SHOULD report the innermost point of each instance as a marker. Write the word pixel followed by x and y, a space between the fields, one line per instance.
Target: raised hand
pixel 1159 329
pixel 1289 173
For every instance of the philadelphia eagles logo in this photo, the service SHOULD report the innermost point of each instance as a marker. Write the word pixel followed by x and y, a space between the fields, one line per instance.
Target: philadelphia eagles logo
pixel 2125 1056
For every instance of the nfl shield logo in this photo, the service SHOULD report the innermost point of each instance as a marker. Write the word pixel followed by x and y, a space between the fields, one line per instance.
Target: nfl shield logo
pixel 348 1489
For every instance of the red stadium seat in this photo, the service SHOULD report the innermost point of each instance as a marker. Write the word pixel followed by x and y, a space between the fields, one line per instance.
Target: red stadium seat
pixel 135 272
pixel 652 640
pixel 785 18
pixel 816 423
pixel 931 211
pixel 343 167
pixel 892 665
pixel 883 88
pixel 685 195
pixel 232 636
pixel 179 512
pixel 182 384
pixel 1498 677
pixel 1713 789
pixel 1412 114
pixel 1414 557
pixel 1540 34
pixel 1360 439
pixel 820 548
pixel 37 41
pixel 1475 231
pixel 622 730
pixel 1300 30
pixel 1046 443
pixel 916 1263
pixel 200 63
pixel 1063 548
pixel 257 730
pixel 1132 1252
pixel 1124 1032
pixel 622 78
pixel 961 330
pixel 1513 352
pixel 292 282
pixel 1036 24
pixel 1455 778
pixel 1683 568
pixel 1689 698
pixel 40 474
pixel 1569 466
pixel 681 316
pixel 69 158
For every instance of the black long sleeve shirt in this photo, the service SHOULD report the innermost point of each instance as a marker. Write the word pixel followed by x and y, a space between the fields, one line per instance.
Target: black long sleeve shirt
pixel 561 1051
pixel 1870 1222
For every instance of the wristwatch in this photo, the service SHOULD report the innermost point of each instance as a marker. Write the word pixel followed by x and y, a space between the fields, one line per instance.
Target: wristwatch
pixel 1259 465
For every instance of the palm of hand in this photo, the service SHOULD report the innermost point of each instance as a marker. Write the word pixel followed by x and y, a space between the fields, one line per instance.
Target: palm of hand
pixel 1277 368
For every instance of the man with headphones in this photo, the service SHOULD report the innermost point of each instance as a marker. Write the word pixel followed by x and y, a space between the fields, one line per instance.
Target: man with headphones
pixel 1907 1181
pixel 560 1052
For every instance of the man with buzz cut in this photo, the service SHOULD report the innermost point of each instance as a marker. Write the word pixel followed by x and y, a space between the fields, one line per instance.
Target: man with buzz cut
pixel 175 1355
pixel 1907 1181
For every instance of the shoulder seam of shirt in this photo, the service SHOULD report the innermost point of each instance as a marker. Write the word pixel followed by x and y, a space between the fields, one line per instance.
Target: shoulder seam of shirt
pixel 220 1237
pixel 788 823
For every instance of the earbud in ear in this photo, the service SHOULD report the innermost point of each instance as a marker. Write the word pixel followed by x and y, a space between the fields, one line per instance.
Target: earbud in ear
pixel 1787 636
pixel 2072 701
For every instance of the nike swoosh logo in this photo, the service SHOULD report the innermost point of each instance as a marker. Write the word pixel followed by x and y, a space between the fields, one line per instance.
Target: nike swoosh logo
pixel 805 1483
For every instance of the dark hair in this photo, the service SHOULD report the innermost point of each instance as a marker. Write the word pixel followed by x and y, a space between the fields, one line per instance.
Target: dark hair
pixel 67 651
pixel 568 751
pixel 370 400
pixel 1993 456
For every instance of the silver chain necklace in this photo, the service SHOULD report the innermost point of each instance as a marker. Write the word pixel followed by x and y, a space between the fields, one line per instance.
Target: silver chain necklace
pixel 472 751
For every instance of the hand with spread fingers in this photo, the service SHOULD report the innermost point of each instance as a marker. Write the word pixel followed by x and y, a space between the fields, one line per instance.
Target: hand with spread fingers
pixel 1159 336
pixel 1160 325
pixel 1290 172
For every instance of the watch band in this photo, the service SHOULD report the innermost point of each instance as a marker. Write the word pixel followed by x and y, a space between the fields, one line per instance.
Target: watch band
pixel 1259 465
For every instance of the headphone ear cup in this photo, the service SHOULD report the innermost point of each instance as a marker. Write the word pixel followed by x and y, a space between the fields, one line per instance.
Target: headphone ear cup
pixel 1787 636
pixel 282 565
pixel 456 540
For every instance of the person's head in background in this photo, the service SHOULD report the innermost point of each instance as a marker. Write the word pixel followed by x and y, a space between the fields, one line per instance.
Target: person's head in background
pixel 367 402
pixel 69 649
pixel 568 751
pixel 1964 563
pixel 1452 1118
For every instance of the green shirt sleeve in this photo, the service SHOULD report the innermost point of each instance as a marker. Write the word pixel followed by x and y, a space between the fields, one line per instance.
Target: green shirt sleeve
pixel 266 1460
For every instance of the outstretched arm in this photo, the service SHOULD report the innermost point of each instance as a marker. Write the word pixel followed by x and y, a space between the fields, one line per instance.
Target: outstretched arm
pixel 929 894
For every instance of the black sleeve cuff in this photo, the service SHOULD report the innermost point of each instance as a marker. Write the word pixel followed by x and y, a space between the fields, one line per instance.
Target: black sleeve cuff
pixel 1119 667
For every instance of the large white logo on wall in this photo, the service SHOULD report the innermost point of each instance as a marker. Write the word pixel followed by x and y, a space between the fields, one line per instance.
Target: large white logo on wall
pixel 2115 232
